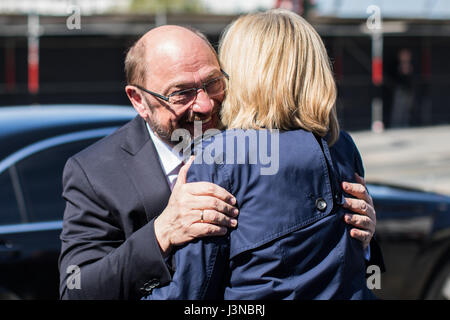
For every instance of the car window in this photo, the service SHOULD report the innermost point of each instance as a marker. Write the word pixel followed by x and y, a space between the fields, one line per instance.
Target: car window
pixel 41 180
pixel 9 209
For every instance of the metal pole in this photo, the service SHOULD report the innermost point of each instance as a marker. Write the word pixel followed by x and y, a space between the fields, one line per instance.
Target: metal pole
pixel 377 80
pixel 161 16
pixel 375 25
pixel 33 53
pixel 10 65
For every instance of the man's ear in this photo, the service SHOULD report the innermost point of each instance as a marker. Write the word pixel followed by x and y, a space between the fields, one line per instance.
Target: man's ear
pixel 138 101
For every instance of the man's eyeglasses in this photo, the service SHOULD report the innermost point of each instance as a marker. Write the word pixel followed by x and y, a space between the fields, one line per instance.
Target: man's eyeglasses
pixel 212 88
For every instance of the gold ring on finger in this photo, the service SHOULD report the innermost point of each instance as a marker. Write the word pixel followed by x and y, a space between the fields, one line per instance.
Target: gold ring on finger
pixel 201 218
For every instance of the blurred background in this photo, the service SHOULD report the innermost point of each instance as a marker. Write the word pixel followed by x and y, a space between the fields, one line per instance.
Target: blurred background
pixel 390 60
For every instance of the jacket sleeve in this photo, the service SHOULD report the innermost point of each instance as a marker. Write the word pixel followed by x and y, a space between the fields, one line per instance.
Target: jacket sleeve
pixel 201 265
pixel 110 266
pixel 200 270
pixel 376 256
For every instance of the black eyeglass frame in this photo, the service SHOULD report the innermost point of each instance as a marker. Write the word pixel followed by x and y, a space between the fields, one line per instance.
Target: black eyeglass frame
pixel 167 98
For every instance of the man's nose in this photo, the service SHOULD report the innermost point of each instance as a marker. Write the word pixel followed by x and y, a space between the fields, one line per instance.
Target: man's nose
pixel 202 103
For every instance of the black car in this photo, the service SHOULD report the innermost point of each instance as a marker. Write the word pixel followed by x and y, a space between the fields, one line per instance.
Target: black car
pixel 35 143
pixel 413 227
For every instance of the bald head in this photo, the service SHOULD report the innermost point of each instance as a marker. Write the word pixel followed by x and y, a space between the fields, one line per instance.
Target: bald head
pixel 162 47
pixel 168 33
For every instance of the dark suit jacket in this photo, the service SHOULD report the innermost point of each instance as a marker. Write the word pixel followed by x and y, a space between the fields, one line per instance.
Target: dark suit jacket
pixel 291 241
pixel 114 189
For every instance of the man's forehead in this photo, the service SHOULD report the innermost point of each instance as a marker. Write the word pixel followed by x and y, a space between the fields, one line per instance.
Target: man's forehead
pixel 171 38
pixel 192 78
pixel 175 62
pixel 175 50
pixel 173 56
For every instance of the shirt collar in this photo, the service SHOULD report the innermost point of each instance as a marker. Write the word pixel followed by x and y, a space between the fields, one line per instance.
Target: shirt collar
pixel 169 159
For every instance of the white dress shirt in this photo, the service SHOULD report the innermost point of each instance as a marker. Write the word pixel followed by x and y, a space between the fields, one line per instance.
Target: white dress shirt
pixel 171 161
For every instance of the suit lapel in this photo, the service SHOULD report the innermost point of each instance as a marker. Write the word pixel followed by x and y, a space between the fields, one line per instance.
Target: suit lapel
pixel 142 165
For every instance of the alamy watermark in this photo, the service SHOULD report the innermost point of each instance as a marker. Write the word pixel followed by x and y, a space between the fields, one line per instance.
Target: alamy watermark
pixel 374 21
pixel 230 148
pixel 74 278
pixel 373 281
pixel 74 19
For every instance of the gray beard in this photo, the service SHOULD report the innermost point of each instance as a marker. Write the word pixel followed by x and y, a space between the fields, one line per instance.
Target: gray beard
pixel 162 133
pixel 166 133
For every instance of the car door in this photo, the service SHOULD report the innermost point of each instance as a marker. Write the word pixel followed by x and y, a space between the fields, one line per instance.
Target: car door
pixel 31 212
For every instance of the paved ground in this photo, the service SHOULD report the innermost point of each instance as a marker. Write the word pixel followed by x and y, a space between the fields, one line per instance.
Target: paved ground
pixel 418 157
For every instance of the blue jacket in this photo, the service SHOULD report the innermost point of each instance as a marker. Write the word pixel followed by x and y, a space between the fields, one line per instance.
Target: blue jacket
pixel 291 241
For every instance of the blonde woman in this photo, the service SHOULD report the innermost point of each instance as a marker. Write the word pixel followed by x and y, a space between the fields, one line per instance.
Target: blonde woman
pixel 291 241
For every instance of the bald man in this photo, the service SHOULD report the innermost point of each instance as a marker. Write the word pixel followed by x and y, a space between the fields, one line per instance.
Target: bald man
pixel 127 201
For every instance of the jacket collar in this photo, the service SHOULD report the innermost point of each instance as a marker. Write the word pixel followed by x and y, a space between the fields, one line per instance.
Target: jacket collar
pixel 136 136
pixel 142 165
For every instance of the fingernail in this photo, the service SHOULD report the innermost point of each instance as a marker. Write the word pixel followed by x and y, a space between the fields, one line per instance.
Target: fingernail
pixel 236 212
pixel 233 200
pixel 233 222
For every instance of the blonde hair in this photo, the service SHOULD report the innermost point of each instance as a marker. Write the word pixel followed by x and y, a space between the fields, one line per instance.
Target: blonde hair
pixel 280 75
